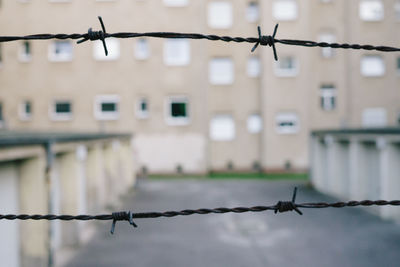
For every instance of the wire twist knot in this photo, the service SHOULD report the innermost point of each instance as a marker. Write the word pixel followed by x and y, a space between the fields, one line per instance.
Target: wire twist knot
pixel 122 216
pixel 266 40
pixel 284 206
pixel 97 35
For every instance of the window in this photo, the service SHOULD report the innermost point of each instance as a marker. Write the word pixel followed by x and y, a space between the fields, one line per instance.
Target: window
pixel 60 51
pixel 253 66
pixel 177 112
pixel 284 10
pixel 397 10
pixel 1 54
pixel 327 52
pixel 252 12
pixel 142 108
pixel 374 117
pixel 371 10
pixel 175 3
pixel 106 107
pixel 1 115
pixel 25 110
pixel 142 50
pixel 372 66
pixel 286 67
pixel 112 47
pixel 25 51
pixel 220 71
pixel 222 128
pixel 328 97
pixel 254 123
pixel 220 15
pixel 176 52
pixel 287 123
pixel 398 65
pixel 61 110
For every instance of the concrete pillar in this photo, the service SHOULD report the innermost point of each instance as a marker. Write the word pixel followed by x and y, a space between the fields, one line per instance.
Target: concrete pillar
pixel 33 199
pixel 355 163
pixel 331 165
pixel 127 163
pixel 96 184
pixel 389 176
pixel 73 193
pixel 317 173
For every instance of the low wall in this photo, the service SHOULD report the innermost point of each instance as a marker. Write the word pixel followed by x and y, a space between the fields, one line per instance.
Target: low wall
pixel 58 176
pixel 358 165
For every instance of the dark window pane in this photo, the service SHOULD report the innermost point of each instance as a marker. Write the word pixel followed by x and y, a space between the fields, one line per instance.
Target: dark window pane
pixel 398 63
pixel 108 107
pixel 143 105
pixel 1 112
pixel 28 108
pixel 178 110
pixel 63 107
pixel 27 48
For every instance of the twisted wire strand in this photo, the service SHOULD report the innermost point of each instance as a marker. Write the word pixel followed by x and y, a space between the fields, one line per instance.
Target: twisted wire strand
pixel 177 35
pixel 188 212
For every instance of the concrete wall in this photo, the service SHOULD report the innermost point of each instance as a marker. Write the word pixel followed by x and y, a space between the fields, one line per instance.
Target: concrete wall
pixel 75 178
pixel 358 167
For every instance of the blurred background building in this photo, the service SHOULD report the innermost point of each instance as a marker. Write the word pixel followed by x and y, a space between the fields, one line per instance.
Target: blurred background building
pixel 198 106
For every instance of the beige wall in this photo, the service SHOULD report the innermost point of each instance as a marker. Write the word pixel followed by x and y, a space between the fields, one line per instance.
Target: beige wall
pixel 84 77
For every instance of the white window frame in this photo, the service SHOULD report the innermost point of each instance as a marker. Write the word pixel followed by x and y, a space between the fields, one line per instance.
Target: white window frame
pixel 377 112
pixel 65 116
pixel 287 116
pixel 141 114
pixel 225 64
pixel 282 72
pixel 277 8
pixel 254 123
pixel 176 121
pixel 176 3
pixel 22 55
pixel 327 37
pixel 252 11
pixel 327 93
pixel 63 57
pixel 224 133
pixel 179 46
pixel 397 11
pixel 142 49
pixel 253 68
pixel 101 115
pixel 215 10
pixel 113 47
pixel 366 14
pixel 23 116
pixel 365 70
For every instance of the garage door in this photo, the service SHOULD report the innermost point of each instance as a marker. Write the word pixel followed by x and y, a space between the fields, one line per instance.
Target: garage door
pixel 9 230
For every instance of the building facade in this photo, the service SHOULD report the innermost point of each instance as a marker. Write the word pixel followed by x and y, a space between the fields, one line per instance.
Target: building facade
pixel 197 105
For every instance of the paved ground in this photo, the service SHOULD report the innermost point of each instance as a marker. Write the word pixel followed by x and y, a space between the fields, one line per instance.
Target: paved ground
pixel 328 237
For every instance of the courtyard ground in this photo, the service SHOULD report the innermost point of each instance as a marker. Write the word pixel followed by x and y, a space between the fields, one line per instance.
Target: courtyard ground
pixel 325 237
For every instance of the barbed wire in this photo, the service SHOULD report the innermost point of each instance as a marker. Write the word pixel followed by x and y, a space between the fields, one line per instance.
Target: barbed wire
pixel 281 206
pixel 264 40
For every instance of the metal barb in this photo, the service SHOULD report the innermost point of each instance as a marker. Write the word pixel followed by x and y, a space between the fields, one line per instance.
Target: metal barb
pixel 267 40
pixel 121 216
pixel 284 206
pixel 97 35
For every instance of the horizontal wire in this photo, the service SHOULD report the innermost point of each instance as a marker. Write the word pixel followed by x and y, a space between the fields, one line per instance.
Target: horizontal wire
pixel 281 206
pixel 188 212
pixel 265 40
pixel 176 35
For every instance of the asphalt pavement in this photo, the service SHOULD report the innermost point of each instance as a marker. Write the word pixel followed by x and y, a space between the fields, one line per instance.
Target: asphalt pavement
pixel 323 237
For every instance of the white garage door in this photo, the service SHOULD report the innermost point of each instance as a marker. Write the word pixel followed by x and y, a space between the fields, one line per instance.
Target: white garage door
pixel 9 241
